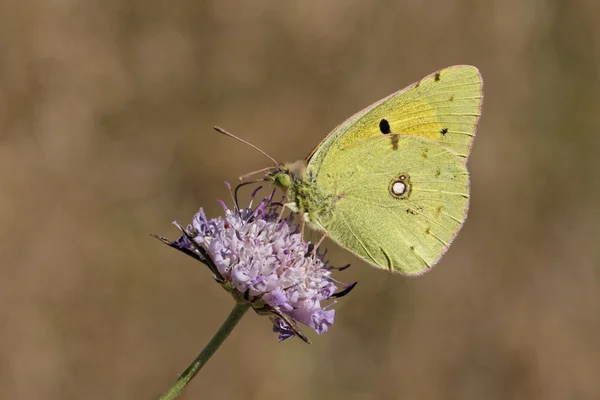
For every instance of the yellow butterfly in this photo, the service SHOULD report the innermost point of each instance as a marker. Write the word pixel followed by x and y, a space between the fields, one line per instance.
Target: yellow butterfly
pixel 390 183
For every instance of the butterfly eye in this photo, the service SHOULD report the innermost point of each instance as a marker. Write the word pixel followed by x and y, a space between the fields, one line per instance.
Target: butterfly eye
pixel 400 187
pixel 282 181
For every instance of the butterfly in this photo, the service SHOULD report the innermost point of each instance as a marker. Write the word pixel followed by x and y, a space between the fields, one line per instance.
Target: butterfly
pixel 390 183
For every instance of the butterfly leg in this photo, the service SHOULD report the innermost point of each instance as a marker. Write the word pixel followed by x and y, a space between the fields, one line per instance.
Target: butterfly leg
pixel 281 213
pixel 319 242
pixel 302 222
pixel 291 206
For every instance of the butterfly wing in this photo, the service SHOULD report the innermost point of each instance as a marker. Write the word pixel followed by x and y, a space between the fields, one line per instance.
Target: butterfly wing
pixel 444 107
pixel 398 200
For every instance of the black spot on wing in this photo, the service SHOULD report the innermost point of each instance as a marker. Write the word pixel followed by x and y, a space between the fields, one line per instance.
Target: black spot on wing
pixel 444 131
pixel 384 126
pixel 436 77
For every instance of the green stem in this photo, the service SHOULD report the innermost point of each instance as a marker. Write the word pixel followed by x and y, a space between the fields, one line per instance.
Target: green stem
pixel 234 317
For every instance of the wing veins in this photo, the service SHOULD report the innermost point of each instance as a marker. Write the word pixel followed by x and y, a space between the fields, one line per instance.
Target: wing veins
pixel 412 209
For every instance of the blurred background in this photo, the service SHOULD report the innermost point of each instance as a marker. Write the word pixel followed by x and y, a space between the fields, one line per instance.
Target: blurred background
pixel 106 115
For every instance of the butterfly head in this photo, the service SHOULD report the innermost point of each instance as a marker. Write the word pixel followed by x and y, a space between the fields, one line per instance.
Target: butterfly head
pixel 285 174
pixel 281 179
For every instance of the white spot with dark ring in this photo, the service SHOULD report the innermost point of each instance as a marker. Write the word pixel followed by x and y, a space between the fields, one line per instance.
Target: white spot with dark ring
pixel 398 188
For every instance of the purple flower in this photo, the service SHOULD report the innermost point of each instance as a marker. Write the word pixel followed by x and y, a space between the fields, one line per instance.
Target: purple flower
pixel 262 259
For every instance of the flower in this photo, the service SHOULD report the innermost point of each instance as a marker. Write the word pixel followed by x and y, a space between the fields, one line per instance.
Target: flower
pixel 261 259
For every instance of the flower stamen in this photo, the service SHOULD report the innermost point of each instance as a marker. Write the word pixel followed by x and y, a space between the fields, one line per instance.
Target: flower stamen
pixel 260 258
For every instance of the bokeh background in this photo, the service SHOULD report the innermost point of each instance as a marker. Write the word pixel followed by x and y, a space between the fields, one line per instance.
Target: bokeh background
pixel 106 115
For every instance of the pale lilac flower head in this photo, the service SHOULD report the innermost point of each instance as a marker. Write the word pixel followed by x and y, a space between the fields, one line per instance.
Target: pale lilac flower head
pixel 263 260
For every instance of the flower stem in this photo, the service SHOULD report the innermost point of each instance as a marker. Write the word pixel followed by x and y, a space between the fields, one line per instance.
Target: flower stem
pixel 234 317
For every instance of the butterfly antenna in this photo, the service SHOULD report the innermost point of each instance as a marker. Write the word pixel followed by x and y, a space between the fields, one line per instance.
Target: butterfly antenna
pixel 241 178
pixel 231 135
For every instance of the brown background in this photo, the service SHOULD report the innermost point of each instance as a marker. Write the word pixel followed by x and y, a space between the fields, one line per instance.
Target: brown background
pixel 106 115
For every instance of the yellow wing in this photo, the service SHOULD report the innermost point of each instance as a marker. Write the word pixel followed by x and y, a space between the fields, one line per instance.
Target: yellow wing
pixel 398 201
pixel 444 107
